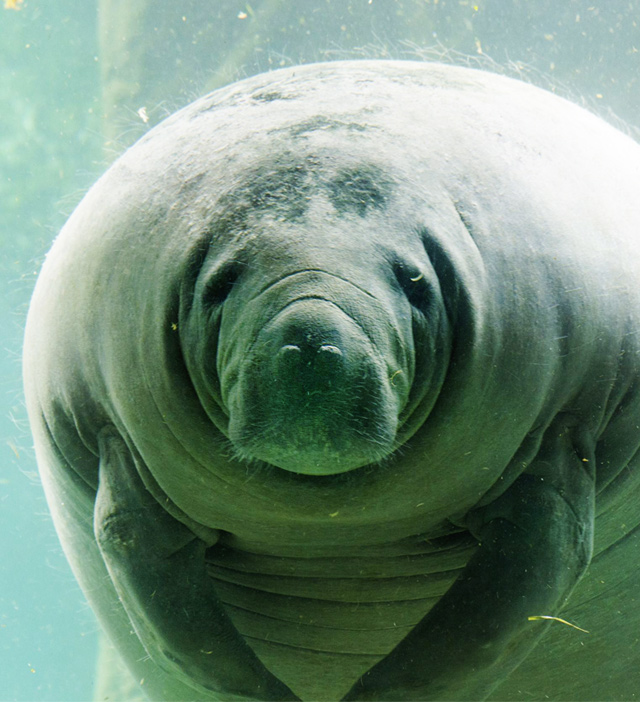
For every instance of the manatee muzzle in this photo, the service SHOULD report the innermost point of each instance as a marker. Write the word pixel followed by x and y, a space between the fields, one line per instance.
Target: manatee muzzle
pixel 314 392
pixel 311 347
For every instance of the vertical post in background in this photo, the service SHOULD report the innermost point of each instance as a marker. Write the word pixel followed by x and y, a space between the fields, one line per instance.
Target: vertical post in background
pixel 123 42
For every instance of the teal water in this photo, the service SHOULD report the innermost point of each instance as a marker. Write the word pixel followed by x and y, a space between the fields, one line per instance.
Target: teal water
pixel 58 132
pixel 48 150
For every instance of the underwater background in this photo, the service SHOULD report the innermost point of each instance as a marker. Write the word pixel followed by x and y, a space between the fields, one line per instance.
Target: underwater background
pixel 80 80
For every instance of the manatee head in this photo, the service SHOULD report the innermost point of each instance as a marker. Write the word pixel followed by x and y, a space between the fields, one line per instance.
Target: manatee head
pixel 316 336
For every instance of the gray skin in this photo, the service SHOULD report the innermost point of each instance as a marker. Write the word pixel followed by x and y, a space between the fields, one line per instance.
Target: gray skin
pixel 329 376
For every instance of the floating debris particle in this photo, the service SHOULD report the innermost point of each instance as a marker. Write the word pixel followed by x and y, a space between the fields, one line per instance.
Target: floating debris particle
pixel 556 619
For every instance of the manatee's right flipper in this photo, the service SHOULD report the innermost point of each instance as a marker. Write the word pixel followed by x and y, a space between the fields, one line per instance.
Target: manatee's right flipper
pixel 157 566
pixel 536 541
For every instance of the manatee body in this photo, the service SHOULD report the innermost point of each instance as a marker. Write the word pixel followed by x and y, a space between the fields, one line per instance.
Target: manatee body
pixel 334 383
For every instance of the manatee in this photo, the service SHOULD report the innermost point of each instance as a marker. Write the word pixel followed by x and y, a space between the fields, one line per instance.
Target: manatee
pixel 334 383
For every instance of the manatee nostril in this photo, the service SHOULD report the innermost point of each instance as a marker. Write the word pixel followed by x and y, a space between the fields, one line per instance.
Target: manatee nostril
pixel 309 351
pixel 290 349
pixel 311 365
pixel 329 348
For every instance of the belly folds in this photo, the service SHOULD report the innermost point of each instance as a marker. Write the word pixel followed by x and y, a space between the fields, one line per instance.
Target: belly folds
pixel 320 623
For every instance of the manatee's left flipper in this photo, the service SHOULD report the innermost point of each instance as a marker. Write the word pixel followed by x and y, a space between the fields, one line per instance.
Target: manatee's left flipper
pixel 536 542
pixel 158 569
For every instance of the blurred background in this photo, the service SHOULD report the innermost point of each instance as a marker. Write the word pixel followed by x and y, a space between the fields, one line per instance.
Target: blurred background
pixel 80 80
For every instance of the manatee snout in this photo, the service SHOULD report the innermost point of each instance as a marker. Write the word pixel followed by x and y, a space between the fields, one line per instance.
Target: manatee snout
pixel 314 395
pixel 313 347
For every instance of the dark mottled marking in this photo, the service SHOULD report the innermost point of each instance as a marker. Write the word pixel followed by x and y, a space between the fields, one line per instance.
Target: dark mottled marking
pixel 284 190
pixel 271 96
pixel 358 190
pixel 316 123
pixel 190 185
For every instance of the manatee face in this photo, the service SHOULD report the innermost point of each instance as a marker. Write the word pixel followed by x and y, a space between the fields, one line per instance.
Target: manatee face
pixel 313 317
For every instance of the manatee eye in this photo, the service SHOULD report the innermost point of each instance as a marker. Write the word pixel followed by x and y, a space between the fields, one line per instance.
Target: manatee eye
pixel 414 285
pixel 220 283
